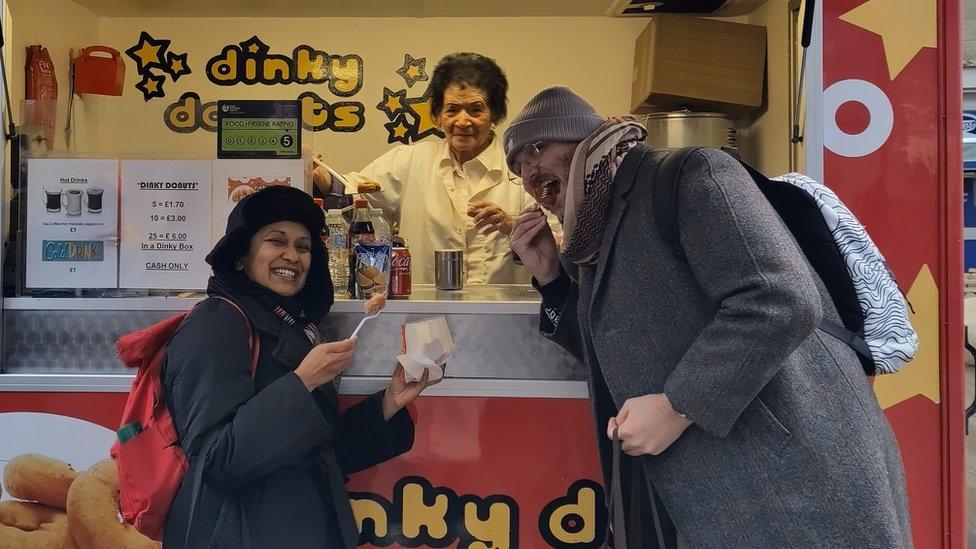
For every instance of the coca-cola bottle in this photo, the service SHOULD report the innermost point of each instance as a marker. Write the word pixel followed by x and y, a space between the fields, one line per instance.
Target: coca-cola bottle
pixel 400 268
pixel 397 240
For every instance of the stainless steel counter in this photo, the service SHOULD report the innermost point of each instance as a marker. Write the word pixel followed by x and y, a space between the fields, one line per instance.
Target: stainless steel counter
pixel 69 343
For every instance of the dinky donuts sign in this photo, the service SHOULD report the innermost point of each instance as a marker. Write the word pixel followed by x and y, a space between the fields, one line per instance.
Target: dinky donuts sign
pixel 421 515
pixel 252 62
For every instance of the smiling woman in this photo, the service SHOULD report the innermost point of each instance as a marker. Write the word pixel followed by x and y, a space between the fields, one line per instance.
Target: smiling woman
pixel 279 257
pixel 269 444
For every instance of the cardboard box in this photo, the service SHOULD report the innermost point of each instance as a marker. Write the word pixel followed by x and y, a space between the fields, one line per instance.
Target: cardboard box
pixel 702 64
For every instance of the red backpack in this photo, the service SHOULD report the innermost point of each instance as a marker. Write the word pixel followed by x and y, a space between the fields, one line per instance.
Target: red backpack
pixel 150 460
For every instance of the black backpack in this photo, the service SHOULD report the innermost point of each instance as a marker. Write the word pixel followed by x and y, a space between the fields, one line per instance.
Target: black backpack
pixel 873 311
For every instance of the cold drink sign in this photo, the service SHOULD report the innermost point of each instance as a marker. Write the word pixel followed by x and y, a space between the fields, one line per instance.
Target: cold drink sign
pixel 72 233
pixel 166 219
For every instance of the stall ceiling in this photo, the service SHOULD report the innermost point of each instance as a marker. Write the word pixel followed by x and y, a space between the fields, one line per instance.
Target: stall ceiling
pixel 345 8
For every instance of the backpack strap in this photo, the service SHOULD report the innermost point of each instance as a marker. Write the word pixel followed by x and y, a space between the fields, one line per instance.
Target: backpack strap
pixel 852 339
pixel 665 208
pixel 665 196
pixel 616 527
pixel 253 341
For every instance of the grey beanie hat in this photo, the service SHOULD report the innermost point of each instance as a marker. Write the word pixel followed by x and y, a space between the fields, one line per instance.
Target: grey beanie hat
pixel 556 114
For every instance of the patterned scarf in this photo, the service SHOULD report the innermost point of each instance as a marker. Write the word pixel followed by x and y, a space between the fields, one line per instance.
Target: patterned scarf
pixel 590 187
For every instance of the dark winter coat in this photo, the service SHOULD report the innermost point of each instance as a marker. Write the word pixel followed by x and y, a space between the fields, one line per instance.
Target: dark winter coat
pixel 268 459
pixel 789 447
pixel 274 456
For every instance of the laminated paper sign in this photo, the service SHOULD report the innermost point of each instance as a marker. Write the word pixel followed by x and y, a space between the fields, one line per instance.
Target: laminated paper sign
pixel 166 219
pixel 72 223
pixel 235 179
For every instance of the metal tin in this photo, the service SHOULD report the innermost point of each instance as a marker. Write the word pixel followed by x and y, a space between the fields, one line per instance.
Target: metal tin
pixel 449 269
pixel 666 130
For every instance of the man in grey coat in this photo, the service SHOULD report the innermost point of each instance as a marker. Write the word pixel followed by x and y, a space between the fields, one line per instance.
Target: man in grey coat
pixel 755 428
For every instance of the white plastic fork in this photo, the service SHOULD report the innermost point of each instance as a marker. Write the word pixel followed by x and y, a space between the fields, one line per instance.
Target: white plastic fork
pixel 363 321
pixel 332 172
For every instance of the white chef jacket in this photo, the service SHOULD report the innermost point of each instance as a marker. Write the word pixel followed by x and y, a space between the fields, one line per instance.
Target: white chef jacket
pixel 427 192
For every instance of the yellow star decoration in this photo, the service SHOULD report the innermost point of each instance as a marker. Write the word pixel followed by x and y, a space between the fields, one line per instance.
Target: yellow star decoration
pixel 393 103
pixel 177 66
pixel 905 27
pixel 400 131
pixel 253 48
pixel 152 85
pixel 425 122
pixel 147 53
pixel 413 71
pixel 921 375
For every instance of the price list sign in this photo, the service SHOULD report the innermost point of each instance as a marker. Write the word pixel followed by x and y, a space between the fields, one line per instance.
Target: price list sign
pixel 72 223
pixel 166 219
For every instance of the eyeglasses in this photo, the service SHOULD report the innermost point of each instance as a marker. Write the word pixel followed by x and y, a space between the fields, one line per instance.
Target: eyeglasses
pixel 530 153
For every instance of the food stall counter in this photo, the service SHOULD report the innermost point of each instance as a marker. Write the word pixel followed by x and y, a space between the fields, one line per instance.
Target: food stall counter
pixel 68 344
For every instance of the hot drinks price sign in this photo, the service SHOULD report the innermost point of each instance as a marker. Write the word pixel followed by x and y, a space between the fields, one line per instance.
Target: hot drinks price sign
pixel 72 223
pixel 166 218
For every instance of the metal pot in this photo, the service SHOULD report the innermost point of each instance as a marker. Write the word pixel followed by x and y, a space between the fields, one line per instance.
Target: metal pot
pixel 687 128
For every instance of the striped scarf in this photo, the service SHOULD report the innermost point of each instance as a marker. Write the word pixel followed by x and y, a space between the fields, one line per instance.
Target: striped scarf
pixel 310 330
pixel 590 187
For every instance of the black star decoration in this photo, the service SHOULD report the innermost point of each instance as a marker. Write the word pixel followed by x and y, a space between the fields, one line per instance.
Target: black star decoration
pixel 412 70
pixel 399 130
pixel 392 103
pixel 420 109
pixel 148 53
pixel 151 86
pixel 176 65
pixel 254 45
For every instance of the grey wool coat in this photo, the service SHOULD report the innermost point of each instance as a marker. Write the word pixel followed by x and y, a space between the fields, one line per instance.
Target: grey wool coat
pixel 789 447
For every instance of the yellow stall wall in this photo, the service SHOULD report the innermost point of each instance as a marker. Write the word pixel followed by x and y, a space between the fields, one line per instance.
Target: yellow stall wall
pixel 593 55
pixel 59 26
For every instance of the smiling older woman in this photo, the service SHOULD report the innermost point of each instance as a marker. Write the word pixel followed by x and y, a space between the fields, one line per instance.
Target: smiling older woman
pixel 273 450
pixel 457 192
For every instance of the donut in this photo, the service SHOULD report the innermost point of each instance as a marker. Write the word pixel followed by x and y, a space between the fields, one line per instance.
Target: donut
pixel 240 192
pixel 34 477
pixel 365 282
pixel 33 526
pixel 368 187
pixel 375 304
pixel 93 506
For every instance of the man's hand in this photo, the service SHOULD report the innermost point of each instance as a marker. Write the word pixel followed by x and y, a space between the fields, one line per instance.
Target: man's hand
pixel 647 425
pixel 533 241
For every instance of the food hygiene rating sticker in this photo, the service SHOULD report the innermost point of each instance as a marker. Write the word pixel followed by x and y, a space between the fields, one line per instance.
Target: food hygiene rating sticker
pixel 259 129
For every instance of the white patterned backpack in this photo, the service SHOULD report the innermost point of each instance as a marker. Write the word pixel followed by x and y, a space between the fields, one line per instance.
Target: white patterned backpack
pixel 872 308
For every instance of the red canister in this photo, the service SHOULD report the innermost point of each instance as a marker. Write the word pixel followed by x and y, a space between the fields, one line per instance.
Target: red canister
pixel 400 272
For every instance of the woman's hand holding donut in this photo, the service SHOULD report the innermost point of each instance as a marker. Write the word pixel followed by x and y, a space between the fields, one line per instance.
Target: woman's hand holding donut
pixel 325 361
pixel 400 392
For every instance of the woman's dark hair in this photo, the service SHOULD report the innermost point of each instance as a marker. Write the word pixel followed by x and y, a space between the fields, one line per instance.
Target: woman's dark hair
pixel 475 70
